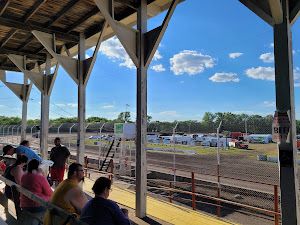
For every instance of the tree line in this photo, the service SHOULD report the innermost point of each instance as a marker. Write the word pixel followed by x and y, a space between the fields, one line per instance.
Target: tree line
pixel 209 124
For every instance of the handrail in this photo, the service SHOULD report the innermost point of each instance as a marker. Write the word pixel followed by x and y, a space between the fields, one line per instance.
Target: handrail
pixel 53 208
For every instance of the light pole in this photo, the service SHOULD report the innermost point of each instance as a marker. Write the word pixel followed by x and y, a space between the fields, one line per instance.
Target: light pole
pixel 100 131
pixel 174 155
pixel 70 133
pixel 218 158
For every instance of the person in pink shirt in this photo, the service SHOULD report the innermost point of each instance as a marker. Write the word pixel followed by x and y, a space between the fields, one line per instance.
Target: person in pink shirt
pixel 33 181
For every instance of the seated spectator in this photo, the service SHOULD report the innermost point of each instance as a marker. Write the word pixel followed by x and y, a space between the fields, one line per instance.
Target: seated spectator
pixel 23 149
pixel 7 157
pixel 14 173
pixel 100 210
pixel 68 195
pixel 37 184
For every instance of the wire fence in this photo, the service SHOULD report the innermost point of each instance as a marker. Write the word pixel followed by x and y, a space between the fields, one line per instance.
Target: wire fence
pixel 246 176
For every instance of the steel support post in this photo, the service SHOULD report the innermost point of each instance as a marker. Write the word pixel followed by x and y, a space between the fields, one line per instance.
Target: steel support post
pixel 141 119
pixel 81 101
pixel 45 105
pixel 284 82
pixel 24 112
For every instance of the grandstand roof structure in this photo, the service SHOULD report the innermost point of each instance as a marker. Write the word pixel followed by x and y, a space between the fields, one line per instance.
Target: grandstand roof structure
pixel 37 34
pixel 63 18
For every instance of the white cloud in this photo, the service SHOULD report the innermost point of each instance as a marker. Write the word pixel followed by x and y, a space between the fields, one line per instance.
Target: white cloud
pixel 263 73
pixel 61 105
pixel 267 57
pixel 157 56
pixel 224 77
pixel 169 113
pixel 73 104
pixel 190 62
pixel 158 68
pixel 235 55
pixel 271 45
pixel 2 106
pixel 296 84
pixel 108 106
pixel 269 104
pixel 113 49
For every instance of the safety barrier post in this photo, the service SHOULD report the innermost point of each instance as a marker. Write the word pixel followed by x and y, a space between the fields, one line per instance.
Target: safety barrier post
pixel 193 190
pixel 112 169
pixel 276 217
pixel 86 161
pixel 170 192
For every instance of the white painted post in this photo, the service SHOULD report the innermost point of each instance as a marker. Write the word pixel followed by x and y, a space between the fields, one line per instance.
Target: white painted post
pixel 100 131
pixel 18 134
pixel 174 154
pixel 12 134
pixel 141 118
pixel 3 132
pixel 58 129
pixel 285 103
pixel 30 133
pixel 24 111
pixel 81 101
pixel 45 104
pixel 7 134
pixel 70 133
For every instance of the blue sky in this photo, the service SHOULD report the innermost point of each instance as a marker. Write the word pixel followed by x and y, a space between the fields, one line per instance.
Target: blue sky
pixel 216 56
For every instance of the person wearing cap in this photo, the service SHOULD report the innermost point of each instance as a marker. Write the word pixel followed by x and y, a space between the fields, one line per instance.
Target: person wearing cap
pixel 59 155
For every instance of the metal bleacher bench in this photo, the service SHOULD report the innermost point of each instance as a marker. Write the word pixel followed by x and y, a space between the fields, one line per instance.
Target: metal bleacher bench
pixel 55 211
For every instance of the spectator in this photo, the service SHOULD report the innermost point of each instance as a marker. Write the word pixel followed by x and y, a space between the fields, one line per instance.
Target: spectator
pixel 8 152
pixel 23 149
pixel 14 173
pixel 38 185
pixel 59 155
pixel 68 195
pixel 100 210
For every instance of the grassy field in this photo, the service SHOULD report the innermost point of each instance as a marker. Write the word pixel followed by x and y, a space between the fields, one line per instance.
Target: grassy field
pixel 269 149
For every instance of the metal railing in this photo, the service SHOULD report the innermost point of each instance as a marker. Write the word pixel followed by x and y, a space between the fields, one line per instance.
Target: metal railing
pixel 54 210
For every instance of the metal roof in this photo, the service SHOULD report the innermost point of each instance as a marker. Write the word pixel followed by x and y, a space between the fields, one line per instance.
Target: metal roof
pixel 63 18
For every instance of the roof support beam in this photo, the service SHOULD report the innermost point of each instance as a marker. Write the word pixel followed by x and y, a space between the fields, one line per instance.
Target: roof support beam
pixel 33 9
pixel 276 10
pixel 8 36
pixel 22 91
pixel 254 8
pixel 43 83
pixel 285 103
pixel 68 63
pixel 89 63
pixel 153 38
pixel 62 12
pixel 6 51
pixel 127 35
pixel 3 6
pixel 29 27
pixel 294 13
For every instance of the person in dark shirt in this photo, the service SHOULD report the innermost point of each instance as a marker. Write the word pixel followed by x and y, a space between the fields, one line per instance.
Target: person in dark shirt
pixel 59 155
pixel 102 211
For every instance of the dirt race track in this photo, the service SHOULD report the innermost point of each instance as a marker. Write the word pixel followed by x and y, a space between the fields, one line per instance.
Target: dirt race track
pixel 240 166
